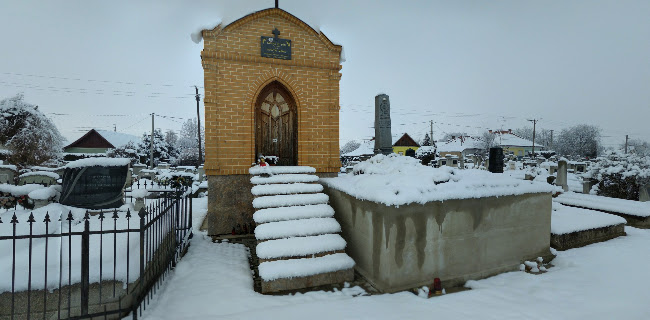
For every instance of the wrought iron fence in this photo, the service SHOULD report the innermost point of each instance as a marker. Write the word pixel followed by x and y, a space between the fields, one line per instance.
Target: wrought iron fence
pixel 87 264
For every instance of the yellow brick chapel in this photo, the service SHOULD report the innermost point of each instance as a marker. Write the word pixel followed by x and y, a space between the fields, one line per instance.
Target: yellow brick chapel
pixel 271 89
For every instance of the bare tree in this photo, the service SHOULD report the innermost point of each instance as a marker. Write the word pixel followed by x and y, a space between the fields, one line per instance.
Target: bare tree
pixel 543 137
pixel 349 147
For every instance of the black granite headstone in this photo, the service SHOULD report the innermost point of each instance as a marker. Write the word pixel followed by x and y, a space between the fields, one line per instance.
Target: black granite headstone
pixel 496 160
pixel 94 187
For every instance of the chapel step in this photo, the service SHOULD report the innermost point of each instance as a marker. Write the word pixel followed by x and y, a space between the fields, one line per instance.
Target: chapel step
pixel 285 178
pixel 299 246
pixel 281 170
pixel 290 200
pixel 300 273
pixel 293 213
pixel 292 188
pixel 297 228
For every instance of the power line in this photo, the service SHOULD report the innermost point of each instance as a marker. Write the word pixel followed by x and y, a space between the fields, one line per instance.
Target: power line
pixel 92 80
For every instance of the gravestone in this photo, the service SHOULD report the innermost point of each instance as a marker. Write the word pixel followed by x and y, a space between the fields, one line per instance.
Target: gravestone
pixel 512 165
pixel 644 193
pixel 587 184
pixel 383 136
pixel 137 167
pixel 562 175
pixel 95 184
pixel 496 160
pixel 7 174
pixel 201 173
pixel 163 165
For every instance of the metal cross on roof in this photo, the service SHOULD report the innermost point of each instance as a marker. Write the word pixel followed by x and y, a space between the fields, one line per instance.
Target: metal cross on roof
pixel 276 32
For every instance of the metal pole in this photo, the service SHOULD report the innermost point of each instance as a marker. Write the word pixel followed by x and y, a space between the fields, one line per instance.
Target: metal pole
pixel 626 144
pixel 198 119
pixel 151 144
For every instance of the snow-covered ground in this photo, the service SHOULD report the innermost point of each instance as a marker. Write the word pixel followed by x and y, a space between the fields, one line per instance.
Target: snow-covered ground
pixel 601 281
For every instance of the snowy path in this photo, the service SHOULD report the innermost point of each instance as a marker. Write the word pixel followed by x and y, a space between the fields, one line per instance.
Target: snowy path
pixel 601 281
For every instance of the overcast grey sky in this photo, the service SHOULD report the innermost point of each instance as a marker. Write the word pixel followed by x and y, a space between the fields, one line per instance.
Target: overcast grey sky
pixel 467 65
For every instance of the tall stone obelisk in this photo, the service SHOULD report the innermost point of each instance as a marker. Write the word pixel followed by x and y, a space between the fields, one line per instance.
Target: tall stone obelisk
pixel 383 137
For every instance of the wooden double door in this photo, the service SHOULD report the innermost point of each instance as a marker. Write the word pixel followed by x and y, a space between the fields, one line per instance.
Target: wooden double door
pixel 276 125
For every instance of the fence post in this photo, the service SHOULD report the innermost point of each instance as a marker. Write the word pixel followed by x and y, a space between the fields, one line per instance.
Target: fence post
pixel 85 265
pixel 142 213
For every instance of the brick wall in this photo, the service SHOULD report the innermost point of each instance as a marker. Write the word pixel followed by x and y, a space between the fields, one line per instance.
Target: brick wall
pixel 235 73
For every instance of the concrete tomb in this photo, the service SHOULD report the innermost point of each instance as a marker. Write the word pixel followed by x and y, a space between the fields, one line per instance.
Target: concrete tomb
pixel 45 178
pixel 7 174
pixel 398 248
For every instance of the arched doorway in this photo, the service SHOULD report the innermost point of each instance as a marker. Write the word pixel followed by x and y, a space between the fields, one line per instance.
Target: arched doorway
pixel 276 125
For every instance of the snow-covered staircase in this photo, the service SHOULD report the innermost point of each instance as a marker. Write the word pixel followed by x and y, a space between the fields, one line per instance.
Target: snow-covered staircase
pixel 298 244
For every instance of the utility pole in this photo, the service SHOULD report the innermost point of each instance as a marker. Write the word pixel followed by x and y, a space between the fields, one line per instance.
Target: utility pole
pixel 534 121
pixel 151 144
pixel 551 147
pixel 431 132
pixel 198 120
pixel 626 144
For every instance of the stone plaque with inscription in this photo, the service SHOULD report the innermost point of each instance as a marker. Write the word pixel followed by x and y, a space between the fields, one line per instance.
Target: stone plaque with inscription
pixel 276 48
pixel 94 187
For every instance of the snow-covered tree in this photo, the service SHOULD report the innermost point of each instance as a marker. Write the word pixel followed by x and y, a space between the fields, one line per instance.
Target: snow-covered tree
pixel 451 135
pixel 579 141
pixel 637 146
pixel 620 175
pixel 27 133
pixel 162 151
pixel 426 141
pixel 349 147
pixel 171 137
pixel 128 150
pixel 188 143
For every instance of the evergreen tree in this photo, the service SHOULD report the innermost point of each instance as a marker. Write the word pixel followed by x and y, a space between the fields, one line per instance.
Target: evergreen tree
pixel 162 151
pixel 426 141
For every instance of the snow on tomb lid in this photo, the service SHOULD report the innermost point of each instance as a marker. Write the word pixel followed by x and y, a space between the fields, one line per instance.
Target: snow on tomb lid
pixel 99 162
pixel 274 47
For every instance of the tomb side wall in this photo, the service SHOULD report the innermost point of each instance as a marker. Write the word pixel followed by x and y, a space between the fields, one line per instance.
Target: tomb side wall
pixel 404 247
